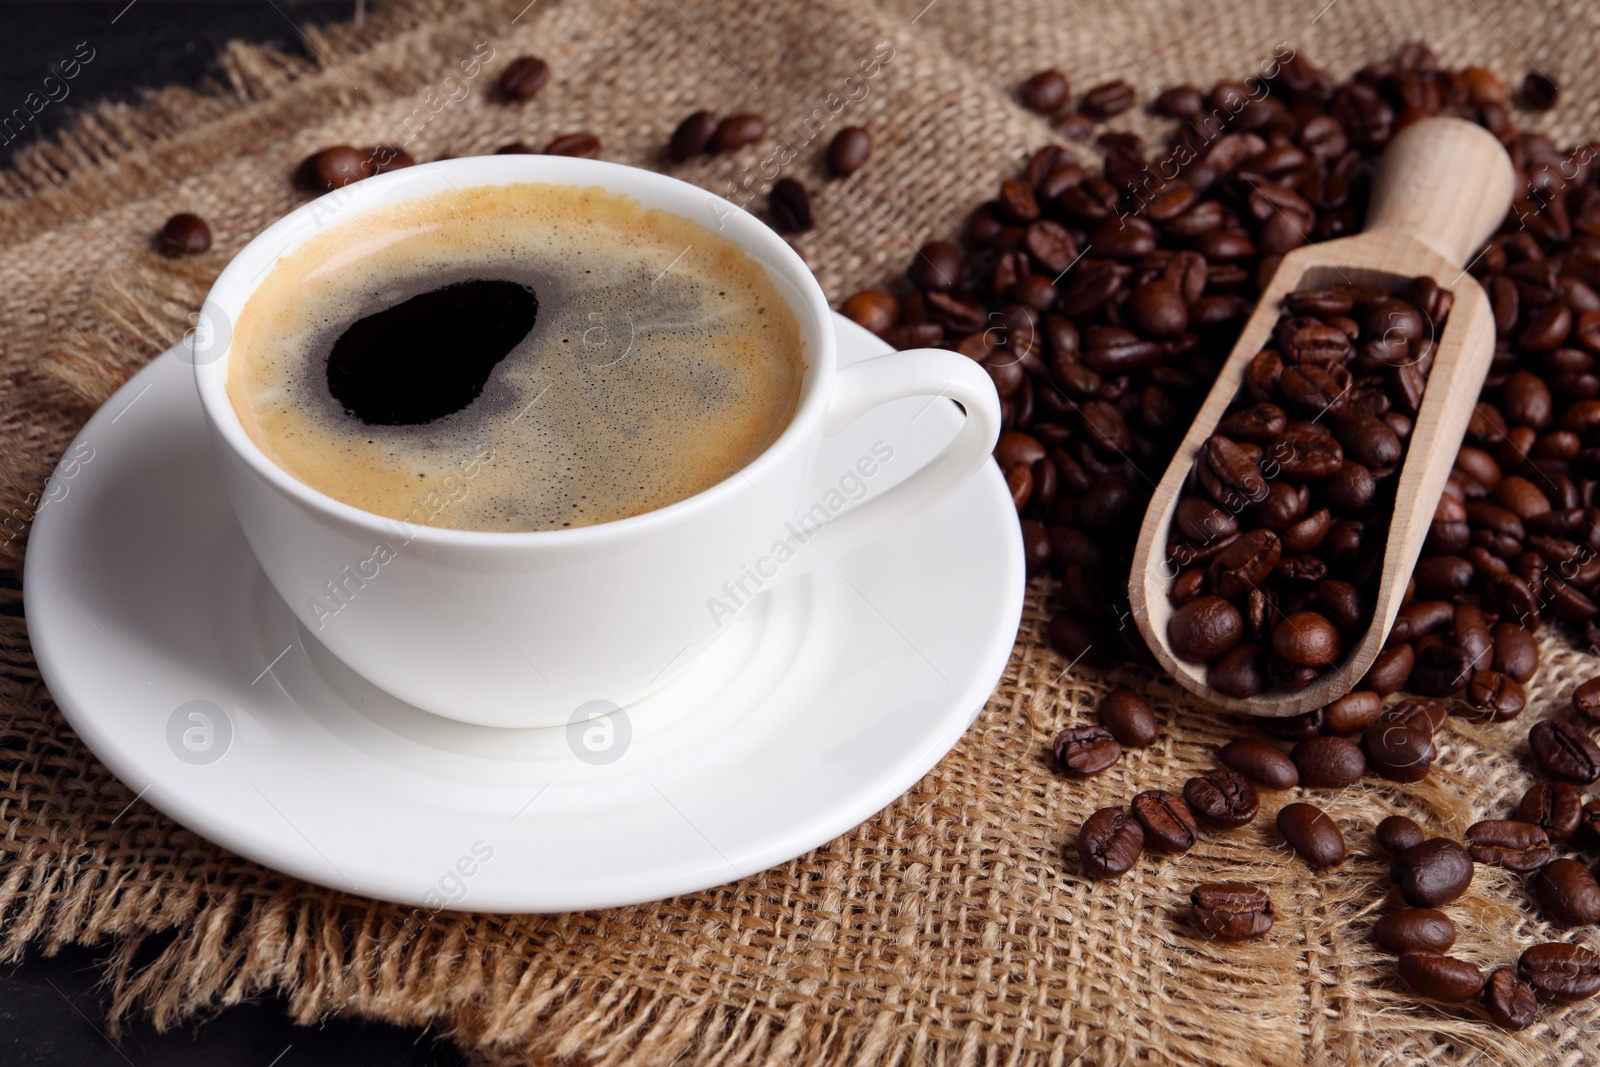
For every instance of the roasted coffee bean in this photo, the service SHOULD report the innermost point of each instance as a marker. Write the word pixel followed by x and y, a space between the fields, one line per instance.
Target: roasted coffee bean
pixel 334 168
pixel 1017 202
pixel 1417 713
pixel 1075 126
pixel 1441 669
pixel 1168 823
pixel 1287 677
pixel 1307 639
pixel 1188 585
pixel 1398 753
pixel 964 315
pixel 1311 391
pixel 1560 972
pixel 1341 602
pixel 1222 798
pixel 736 131
pixel 1484 86
pixel 1157 309
pixel 524 77
pixel 1500 697
pixel 1446 978
pixel 1352 488
pixel 1085 750
pixel 937 266
pixel 1509 843
pixel 184 234
pixel 1515 653
pixel 1045 92
pixel 1291 727
pixel 1246 562
pixel 1203 521
pixel 1184 101
pixel 1260 762
pixel 919 335
pixel 873 309
pixel 1128 717
pixel 1257 424
pixel 1396 833
pixel 1237 673
pixel 1369 441
pixel 1352 712
pixel 1313 836
pixel 1052 246
pixel 1077 638
pixel 1204 628
pixel 1390 670
pixel 792 206
pixel 692 137
pixel 1232 911
pixel 386 158
pixel 1565 751
pixel 1108 99
pixel 1554 807
pixel 1305 456
pixel 1035 546
pixel 1521 496
pixel 1588 821
pixel 1328 762
pixel 1443 576
pixel 1420 618
pixel 579 145
pixel 849 151
pixel 1510 1001
pixel 1432 873
pixel 1109 843
pixel 1567 892
pixel 1540 91
pixel 1414 928
pixel 1586 700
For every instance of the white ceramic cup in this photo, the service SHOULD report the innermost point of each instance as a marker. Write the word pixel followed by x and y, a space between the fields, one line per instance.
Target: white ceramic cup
pixel 521 629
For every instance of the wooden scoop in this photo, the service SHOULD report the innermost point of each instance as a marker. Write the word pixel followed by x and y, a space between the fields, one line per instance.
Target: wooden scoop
pixel 1440 190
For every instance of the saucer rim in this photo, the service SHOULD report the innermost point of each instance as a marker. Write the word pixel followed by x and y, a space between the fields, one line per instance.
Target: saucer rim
pixel 802 834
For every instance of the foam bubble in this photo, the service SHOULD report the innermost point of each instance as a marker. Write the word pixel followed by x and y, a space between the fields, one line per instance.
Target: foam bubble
pixel 663 360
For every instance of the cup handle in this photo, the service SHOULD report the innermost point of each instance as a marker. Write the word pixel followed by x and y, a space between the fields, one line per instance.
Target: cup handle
pixel 930 372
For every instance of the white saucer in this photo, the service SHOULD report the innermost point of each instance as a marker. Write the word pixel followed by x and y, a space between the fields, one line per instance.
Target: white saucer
pixel 175 661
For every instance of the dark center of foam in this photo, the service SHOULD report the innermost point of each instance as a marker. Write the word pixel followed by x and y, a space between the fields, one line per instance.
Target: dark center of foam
pixel 429 356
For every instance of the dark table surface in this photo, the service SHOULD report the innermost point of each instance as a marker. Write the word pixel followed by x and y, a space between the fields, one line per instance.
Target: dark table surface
pixel 51 1012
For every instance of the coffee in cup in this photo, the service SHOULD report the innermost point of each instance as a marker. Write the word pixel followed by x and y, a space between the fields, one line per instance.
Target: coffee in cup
pixel 515 357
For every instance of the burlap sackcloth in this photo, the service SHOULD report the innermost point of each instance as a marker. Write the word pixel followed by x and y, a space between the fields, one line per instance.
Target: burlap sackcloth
pixel 947 929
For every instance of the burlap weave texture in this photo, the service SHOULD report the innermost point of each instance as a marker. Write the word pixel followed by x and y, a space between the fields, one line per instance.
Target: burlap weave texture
pixel 948 929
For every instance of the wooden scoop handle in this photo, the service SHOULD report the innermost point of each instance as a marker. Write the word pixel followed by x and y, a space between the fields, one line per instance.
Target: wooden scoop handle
pixel 1445 182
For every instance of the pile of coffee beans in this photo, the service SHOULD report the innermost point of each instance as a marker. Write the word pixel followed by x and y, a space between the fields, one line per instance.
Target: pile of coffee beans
pixel 1102 304
pixel 1278 538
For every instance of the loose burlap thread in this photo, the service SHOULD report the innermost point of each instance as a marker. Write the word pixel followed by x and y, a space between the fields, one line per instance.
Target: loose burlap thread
pixel 949 928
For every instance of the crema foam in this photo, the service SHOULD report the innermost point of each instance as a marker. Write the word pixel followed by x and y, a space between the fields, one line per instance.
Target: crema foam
pixel 512 358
